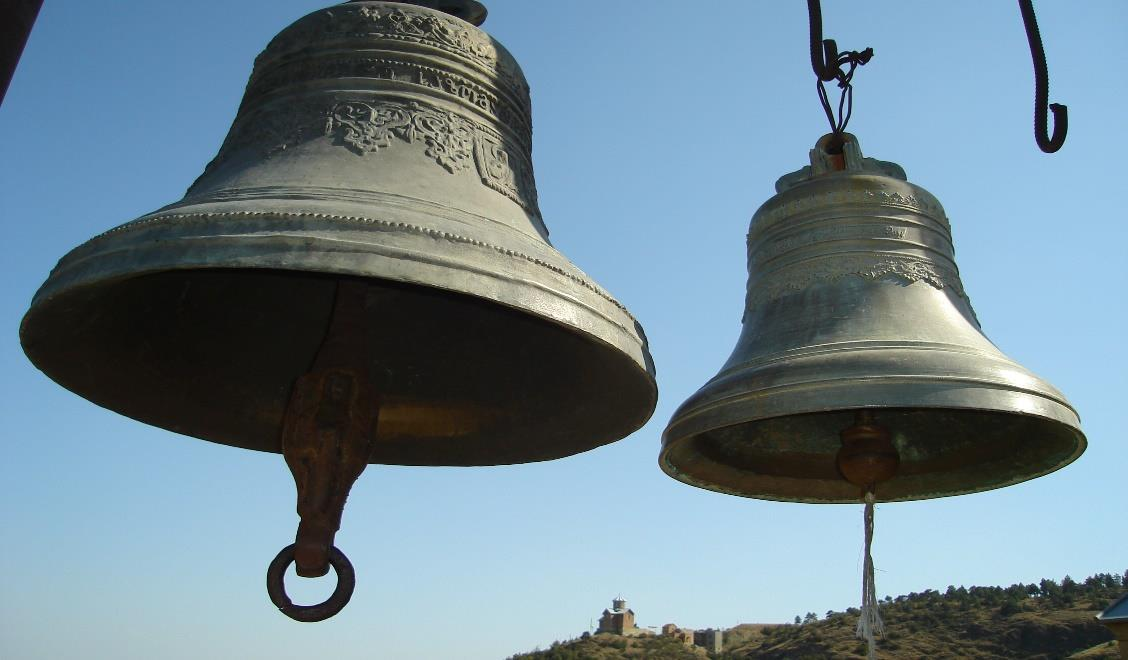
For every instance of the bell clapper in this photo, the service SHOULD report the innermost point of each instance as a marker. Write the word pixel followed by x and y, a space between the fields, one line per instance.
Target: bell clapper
pixel 866 458
pixel 328 434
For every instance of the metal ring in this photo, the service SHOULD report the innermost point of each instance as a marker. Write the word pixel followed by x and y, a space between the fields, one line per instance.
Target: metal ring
pixel 276 587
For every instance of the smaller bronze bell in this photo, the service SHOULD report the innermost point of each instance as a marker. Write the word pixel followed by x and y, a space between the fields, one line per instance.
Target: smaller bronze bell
pixel 861 360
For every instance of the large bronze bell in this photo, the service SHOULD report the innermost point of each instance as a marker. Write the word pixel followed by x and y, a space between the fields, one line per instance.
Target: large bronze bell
pixel 363 263
pixel 861 362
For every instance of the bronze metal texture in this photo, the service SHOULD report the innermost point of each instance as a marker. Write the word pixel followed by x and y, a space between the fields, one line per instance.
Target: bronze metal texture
pixel 380 142
pixel 342 593
pixel 855 302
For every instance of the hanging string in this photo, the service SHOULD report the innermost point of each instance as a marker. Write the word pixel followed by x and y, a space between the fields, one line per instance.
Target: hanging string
pixel 1042 86
pixel 870 625
pixel 828 63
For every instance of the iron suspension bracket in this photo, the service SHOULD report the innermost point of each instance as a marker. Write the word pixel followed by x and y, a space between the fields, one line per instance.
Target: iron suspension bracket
pixel 328 434
pixel 1047 143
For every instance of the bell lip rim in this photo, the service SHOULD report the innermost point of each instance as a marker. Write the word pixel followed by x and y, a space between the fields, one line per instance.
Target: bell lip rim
pixel 692 407
pixel 737 383
pixel 686 479
pixel 180 212
pixel 647 368
pixel 669 445
pixel 680 419
pixel 598 317
pixel 75 264
pixel 642 374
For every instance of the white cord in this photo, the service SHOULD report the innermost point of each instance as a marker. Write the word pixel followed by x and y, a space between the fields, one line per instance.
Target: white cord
pixel 870 624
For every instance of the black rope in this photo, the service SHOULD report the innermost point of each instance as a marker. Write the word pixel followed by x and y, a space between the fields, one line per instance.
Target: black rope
pixel 1045 142
pixel 828 63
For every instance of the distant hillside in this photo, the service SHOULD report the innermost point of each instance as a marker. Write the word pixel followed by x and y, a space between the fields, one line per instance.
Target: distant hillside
pixel 1041 621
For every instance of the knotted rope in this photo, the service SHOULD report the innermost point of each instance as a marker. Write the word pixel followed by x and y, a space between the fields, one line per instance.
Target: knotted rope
pixel 870 625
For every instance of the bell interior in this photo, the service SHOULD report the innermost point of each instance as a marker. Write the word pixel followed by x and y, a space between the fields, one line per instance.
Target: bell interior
pixel 213 353
pixel 943 452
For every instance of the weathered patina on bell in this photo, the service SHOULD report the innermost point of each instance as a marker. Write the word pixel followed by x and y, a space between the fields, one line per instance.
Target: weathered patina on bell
pixel 381 141
pixel 368 237
pixel 861 362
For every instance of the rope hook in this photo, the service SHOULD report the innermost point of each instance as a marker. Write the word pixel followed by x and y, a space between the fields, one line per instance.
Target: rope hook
pixel 827 63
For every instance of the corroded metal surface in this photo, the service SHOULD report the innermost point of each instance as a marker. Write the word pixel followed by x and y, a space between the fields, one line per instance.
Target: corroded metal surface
pixel 327 439
pixel 855 301
pixel 380 142
pixel 342 593
pixel 328 435
pixel 330 429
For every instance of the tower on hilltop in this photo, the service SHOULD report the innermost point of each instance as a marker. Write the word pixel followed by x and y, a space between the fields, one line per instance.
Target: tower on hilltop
pixel 618 620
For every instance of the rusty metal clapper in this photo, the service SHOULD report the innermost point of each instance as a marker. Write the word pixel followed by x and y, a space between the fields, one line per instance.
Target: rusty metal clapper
pixel 361 275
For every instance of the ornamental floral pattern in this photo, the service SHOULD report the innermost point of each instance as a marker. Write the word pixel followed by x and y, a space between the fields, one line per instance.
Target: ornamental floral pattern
pixel 404 23
pixel 765 288
pixel 453 141
pixel 366 128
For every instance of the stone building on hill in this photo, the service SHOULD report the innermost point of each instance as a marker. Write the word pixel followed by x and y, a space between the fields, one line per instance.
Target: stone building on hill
pixel 683 635
pixel 709 639
pixel 618 620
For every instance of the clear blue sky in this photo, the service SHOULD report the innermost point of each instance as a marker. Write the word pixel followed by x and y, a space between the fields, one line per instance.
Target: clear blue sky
pixel 660 128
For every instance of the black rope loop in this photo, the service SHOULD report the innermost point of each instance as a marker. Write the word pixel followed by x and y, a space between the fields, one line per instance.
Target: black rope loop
pixel 828 64
pixel 1046 142
pixel 276 587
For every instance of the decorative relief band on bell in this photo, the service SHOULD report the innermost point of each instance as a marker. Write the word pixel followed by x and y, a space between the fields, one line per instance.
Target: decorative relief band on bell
pixel 764 288
pixel 919 204
pixel 455 143
pixel 367 128
pixel 405 23
pixel 764 249
pixel 449 83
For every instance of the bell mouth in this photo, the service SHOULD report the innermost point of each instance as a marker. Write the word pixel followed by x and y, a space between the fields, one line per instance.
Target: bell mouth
pixel 213 353
pixel 943 452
